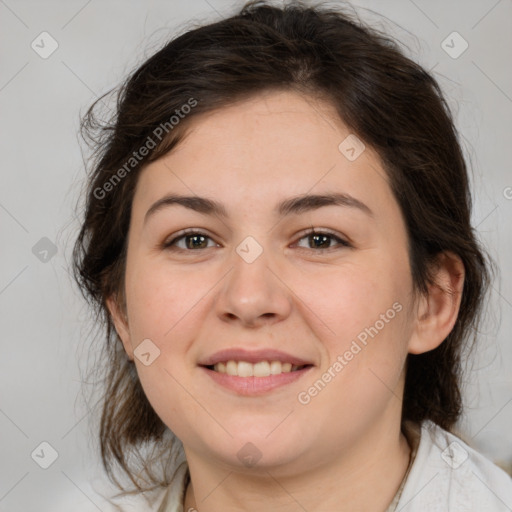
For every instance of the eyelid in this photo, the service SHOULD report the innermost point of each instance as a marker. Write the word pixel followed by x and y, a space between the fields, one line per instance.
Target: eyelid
pixel 171 240
pixel 341 239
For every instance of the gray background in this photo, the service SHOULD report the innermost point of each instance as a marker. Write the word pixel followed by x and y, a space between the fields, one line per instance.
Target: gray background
pixel 44 340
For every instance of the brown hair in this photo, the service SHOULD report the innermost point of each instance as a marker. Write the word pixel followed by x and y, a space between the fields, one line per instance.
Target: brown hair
pixel 390 102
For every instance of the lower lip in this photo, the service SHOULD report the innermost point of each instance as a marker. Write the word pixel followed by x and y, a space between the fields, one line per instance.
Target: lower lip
pixel 250 386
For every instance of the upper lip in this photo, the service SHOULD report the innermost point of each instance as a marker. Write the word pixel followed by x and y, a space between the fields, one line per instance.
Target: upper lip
pixel 252 356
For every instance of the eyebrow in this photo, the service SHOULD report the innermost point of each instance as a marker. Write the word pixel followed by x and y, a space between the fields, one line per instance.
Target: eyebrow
pixel 291 206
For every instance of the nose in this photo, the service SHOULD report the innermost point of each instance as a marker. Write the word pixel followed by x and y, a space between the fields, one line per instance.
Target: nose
pixel 253 294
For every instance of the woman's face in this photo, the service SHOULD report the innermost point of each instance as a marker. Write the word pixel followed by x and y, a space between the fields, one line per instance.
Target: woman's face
pixel 249 290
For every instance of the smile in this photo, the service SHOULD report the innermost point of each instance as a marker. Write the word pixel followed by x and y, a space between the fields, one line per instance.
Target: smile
pixel 259 369
pixel 253 372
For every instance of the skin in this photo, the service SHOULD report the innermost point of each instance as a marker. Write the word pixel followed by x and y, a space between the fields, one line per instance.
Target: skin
pixel 331 453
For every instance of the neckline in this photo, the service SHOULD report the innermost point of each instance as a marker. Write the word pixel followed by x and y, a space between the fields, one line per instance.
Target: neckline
pixel 177 489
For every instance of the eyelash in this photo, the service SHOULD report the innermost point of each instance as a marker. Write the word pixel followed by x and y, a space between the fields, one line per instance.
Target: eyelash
pixel 171 244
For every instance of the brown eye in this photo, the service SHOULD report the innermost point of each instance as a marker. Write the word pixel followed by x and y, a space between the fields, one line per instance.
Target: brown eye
pixel 322 240
pixel 190 241
pixel 195 241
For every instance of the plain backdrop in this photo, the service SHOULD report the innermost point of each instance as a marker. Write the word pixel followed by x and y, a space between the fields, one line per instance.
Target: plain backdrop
pixel 44 343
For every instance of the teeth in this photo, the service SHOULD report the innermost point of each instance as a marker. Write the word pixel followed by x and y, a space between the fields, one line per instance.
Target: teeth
pixel 245 369
pixel 231 368
pixel 260 369
pixel 275 367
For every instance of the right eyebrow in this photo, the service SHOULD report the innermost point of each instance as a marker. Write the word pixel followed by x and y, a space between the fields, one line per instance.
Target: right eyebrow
pixel 196 203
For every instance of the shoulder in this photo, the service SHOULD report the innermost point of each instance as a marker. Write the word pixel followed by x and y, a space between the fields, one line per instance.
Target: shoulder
pixel 448 475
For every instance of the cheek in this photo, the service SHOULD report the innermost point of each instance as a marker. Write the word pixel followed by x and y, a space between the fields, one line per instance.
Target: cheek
pixel 348 300
pixel 363 329
pixel 162 306
pixel 161 300
pixel 364 356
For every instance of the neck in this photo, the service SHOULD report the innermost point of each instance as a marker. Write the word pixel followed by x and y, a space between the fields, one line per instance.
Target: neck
pixel 366 477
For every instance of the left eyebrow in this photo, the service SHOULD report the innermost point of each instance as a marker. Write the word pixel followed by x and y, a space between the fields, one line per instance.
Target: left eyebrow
pixel 304 203
pixel 291 206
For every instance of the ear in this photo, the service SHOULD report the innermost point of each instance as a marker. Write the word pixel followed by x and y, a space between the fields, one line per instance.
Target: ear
pixel 120 320
pixel 437 311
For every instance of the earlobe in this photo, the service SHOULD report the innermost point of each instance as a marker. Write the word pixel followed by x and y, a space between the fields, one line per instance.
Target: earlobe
pixel 120 323
pixel 437 311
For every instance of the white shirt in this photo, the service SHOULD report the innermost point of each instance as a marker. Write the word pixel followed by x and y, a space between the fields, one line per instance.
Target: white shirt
pixel 449 476
pixel 446 475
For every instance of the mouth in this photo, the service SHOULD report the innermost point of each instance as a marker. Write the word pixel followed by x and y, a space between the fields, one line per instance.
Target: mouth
pixel 254 372
pixel 259 369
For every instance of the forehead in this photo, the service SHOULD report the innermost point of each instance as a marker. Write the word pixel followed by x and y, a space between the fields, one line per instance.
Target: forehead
pixel 270 146
pixel 268 128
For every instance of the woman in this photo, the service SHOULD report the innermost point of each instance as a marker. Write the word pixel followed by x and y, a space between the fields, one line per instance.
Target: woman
pixel 277 235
